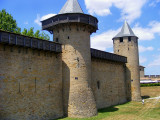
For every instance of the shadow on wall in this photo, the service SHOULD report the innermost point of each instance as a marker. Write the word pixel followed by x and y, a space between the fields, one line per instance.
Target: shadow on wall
pixel 128 84
pixel 65 87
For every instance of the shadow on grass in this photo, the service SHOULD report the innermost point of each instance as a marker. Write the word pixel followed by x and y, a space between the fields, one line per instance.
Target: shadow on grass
pixel 109 109
pixel 145 97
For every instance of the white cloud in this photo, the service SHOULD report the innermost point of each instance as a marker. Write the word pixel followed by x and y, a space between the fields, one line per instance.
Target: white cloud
pixel 154 3
pixel 47 16
pixel 144 49
pixel 104 40
pixel 26 23
pixel 142 59
pixel 149 32
pixel 143 33
pixel 156 62
pixel 130 9
pixel 39 19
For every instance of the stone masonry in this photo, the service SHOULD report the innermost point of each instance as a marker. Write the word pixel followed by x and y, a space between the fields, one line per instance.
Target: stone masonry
pixel 43 80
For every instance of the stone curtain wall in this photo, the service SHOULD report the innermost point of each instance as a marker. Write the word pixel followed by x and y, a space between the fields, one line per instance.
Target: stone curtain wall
pixel 108 83
pixel 30 84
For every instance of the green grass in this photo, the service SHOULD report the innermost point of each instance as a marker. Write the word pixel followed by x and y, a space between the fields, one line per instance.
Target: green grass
pixel 131 110
pixel 150 85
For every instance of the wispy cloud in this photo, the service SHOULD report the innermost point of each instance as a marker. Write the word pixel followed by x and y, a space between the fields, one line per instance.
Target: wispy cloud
pixel 104 40
pixel 156 62
pixel 149 32
pixel 47 16
pixel 142 59
pixel 130 9
pixel 39 19
pixel 154 3
pixel 144 49
pixel 26 23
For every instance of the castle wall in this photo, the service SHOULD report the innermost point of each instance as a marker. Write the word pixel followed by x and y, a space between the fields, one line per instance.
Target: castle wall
pixel 30 84
pixel 141 69
pixel 108 82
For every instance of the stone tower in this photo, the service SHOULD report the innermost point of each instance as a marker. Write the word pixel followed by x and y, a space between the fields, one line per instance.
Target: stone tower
pixel 72 28
pixel 126 44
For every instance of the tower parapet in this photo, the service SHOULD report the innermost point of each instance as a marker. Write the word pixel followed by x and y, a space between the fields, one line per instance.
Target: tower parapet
pixel 126 44
pixel 72 28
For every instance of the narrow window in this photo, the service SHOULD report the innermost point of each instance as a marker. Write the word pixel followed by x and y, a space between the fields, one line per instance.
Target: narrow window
pixel 57 40
pixel 98 84
pixel 68 37
pixel 35 82
pixel 129 39
pixel 121 39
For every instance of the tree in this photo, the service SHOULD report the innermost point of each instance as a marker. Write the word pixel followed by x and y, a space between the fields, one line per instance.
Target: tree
pixel 37 34
pixel 44 36
pixel 7 23
pixel 30 32
pixel 24 32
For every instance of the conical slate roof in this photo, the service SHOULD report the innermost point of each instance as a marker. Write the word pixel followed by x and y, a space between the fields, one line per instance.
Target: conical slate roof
pixel 71 6
pixel 125 31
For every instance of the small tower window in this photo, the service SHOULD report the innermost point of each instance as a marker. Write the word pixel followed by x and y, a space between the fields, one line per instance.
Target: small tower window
pixel 57 40
pixel 98 84
pixel 129 39
pixel 68 37
pixel 121 39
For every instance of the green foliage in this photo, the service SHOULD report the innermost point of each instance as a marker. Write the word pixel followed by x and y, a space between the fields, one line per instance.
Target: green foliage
pixel 37 34
pixel 44 36
pixel 7 23
pixel 24 32
pixel 30 32
pixel 150 84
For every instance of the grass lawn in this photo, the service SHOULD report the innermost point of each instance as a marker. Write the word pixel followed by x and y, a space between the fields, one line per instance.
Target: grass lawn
pixel 132 110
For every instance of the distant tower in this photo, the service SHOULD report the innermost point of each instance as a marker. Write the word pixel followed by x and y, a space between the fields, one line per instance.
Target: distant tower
pixel 126 44
pixel 72 28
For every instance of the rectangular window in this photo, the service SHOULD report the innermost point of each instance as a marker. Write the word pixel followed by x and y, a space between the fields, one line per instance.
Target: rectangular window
pixel 121 39
pixel 98 84
pixel 129 39
pixel 57 40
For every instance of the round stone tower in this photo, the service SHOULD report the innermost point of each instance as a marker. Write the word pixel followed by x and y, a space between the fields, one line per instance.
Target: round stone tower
pixel 72 28
pixel 126 44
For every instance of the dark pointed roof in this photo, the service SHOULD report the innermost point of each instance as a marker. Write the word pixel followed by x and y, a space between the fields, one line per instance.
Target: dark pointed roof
pixel 125 31
pixel 71 6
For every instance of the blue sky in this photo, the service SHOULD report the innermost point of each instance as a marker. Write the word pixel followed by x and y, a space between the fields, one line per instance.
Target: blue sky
pixel 142 15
